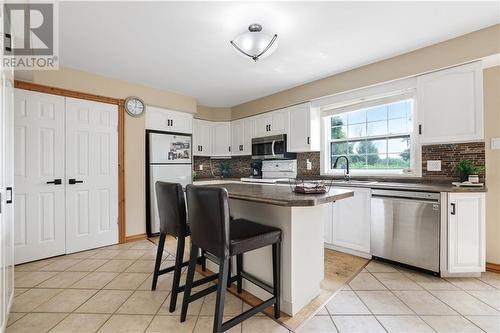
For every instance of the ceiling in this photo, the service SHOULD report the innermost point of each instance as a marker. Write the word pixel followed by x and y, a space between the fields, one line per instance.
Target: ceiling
pixel 184 46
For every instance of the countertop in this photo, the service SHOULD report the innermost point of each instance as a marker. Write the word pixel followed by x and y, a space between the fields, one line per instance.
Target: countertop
pixel 276 194
pixel 382 185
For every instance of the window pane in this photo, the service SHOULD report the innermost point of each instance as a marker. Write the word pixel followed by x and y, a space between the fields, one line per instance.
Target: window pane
pixel 377 128
pixel 397 161
pixel 357 161
pixel 339 148
pixel 357 148
pixel 356 131
pixel 379 145
pixel 339 132
pixel 401 125
pixel 357 117
pixel 398 145
pixel 377 113
pixel 399 110
pixel 340 119
pixel 376 161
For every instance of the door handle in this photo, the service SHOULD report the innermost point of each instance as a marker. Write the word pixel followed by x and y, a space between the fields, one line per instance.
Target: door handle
pixel 73 181
pixel 55 182
pixel 9 195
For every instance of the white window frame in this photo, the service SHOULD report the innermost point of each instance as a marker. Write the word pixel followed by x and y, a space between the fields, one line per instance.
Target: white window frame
pixel 366 102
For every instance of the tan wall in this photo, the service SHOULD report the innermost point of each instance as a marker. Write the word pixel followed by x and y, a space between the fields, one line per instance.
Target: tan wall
pixel 491 86
pixel 465 48
pixel 213 114
pixel 134 128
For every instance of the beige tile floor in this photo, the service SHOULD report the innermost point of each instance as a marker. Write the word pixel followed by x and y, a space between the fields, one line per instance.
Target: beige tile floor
pixel 108 290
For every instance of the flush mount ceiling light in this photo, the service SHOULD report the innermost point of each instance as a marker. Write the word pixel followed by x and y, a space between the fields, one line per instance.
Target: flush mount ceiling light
pixel 254 43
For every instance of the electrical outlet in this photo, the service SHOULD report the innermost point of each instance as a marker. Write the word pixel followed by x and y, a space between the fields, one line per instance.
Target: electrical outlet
pixel 434 165
pixel 309 165
pixel 200 167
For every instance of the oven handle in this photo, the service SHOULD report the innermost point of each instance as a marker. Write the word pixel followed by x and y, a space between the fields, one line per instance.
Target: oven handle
pixel 272 147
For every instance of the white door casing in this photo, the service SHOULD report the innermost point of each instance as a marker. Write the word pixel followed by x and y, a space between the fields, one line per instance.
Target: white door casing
pixel 91 158
pixel 39 230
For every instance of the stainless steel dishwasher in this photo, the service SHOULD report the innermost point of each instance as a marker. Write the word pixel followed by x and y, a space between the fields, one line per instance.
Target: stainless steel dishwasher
pixel 405 228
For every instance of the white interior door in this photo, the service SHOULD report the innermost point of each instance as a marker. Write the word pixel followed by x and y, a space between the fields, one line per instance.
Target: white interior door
pixel 39 229
pixel 91 162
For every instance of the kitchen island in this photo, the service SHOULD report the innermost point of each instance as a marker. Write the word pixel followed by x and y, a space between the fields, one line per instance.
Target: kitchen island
pixel 301 219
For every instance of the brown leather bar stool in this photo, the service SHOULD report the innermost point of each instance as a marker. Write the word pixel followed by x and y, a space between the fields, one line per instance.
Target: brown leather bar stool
pixel 172 213
pixel 213 230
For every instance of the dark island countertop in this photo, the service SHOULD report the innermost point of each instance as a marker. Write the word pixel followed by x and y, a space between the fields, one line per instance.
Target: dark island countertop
pixel 280 195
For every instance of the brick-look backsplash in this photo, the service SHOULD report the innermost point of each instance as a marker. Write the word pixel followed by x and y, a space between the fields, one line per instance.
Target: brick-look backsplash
pixel 449 154
pixel 239 167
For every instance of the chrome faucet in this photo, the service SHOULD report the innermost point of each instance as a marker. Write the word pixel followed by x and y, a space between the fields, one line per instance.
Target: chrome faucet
pixel 347 176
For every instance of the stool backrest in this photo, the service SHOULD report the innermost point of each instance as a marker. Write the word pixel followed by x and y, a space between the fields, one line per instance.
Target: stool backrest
pixel 171 208
pixel 208 209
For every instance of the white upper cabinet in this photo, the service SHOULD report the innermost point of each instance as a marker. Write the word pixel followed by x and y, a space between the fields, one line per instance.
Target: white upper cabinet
pixel 168 120
pixel 466 232
pixel 450 105
pixel 272 123
pixel 242 131
pixel 304 129
pixel 202 138
pixel 221 139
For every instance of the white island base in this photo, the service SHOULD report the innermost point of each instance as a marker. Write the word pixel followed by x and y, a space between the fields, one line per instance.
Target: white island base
pixel 302 254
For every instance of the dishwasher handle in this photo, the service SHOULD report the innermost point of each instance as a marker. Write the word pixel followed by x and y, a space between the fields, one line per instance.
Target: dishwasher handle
pixel 396 198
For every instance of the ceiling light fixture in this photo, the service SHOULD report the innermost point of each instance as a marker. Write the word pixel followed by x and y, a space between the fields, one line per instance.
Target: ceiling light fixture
pixel 254 43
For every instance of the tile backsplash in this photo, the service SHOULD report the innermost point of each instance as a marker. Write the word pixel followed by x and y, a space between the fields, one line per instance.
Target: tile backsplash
pixel 448 154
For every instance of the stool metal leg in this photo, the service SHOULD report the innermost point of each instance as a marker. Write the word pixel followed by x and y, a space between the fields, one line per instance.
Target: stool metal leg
pixel 203 261
pixel 277 277
pixel 179 255
pixel 159 255
pixel 239 268
pixel 221 294
pixel 189 281
pixel 228 283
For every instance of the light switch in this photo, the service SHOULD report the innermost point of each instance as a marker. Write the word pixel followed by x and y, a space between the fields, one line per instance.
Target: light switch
pixel 495 143
pixel 434 165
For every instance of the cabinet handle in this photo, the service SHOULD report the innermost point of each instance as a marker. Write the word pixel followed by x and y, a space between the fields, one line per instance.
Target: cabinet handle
pixel 229 148
pixel 308 140
pixel 73 181
pixel 9 195
pixel 452 209
pixel 55 182
pixel 419 128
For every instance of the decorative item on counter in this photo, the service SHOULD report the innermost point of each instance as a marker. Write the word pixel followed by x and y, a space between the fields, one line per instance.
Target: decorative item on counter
pixel 474 179
pixel 224 168
pixel 466 168
pixel 310 187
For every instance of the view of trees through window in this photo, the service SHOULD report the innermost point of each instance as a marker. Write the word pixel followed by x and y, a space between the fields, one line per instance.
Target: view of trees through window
pixel 373 138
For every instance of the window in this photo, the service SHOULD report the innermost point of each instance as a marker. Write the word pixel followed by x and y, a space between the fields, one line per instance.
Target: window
pixel 376 136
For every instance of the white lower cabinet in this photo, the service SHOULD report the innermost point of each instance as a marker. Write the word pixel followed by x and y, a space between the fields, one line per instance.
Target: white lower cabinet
pixel 348 226
pixel 466 244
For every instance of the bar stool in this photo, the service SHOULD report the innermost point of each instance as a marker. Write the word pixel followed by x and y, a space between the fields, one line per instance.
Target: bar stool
pixel 172 213
pixel 212 230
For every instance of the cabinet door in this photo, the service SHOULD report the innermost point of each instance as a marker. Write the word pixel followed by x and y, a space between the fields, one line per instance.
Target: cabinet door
pixel 202 138
pixel 299 132
pixel 466 232
pixel 263 125
pixel 329 224
pixel 237 137
pixel 221 137
pixel 279 122
pixel 450 105
pixel 248 134
pixel 351 221
pixel 168 120
pixel 181 122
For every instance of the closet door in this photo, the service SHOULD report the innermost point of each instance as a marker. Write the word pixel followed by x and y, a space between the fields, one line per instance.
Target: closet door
pixel 91 174
pixel 39 196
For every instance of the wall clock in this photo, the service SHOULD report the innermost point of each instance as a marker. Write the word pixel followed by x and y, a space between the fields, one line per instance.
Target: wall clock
pixel 134 106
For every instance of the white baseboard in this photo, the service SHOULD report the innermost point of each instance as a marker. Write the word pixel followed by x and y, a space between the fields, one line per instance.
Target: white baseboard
pixel 348 251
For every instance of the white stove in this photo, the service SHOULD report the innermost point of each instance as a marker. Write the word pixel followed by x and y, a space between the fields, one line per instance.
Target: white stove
pixel 263 180
pixel 274 171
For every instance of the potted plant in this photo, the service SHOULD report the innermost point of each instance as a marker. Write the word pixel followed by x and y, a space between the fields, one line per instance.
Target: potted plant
pixel 194 174
pixel 224 168
pixel 466 168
